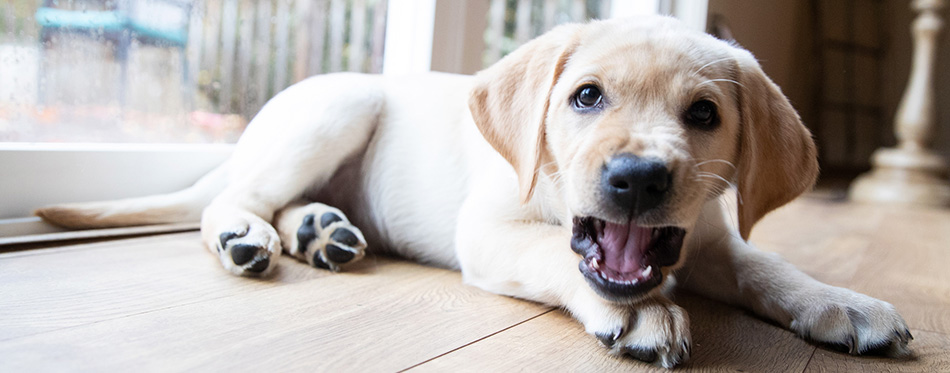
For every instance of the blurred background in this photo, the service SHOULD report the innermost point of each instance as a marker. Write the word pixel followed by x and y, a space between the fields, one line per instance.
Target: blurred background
pixel 196 71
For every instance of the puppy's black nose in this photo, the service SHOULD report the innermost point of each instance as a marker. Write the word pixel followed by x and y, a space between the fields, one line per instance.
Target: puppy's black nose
pixel 635 184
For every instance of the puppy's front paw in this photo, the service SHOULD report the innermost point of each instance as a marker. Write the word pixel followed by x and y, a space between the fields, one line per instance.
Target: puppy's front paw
pixel 853 322
pixel 326 239
pixel 657 331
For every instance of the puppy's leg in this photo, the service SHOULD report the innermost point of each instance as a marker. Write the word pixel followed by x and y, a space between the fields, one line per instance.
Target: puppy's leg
pixel 725 267
pixel 533 260
pixel 295 144
pixel 320 235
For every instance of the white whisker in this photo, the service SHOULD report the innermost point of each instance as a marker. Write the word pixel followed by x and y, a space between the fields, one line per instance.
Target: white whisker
pixel 710 64
pixel 716 161
pixel 722 80
pixel 712 175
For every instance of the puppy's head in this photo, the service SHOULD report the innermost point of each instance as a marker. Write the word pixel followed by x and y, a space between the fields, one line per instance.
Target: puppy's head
pixel 637 123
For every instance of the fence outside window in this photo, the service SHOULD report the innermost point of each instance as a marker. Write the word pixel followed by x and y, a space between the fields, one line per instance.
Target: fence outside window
pixel 75 86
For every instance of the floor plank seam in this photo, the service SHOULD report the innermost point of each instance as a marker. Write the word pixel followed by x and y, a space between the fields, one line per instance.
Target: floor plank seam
pixel 67 247
pixel 15 254
pixel 814 350
pixel 478 340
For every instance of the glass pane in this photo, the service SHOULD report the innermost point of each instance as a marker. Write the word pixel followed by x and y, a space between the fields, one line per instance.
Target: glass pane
pixel 179 71
pixel 514 22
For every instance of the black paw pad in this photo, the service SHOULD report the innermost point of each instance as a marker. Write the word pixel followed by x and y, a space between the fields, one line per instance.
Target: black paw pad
pixel 344 236
pixel 318 261
pixel 329 218
pixel 608 339
pixel 338 255
pixel 259 266
pixel 306 234
pixel 642 354
pixel 225 237
pixel 242 253
pixel 848 346
pixel 881 348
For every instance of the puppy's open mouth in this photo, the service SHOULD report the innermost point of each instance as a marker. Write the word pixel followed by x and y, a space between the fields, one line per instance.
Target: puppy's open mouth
pixel 623 261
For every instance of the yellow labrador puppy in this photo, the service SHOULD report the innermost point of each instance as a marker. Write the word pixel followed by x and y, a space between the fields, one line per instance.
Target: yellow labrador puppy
pixel 584 170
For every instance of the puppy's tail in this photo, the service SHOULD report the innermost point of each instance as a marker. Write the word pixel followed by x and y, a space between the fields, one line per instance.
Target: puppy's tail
pixel 178 207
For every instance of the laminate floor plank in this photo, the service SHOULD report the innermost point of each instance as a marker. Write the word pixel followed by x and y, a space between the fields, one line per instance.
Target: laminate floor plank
pixel 57 288
pixel 930 355
pixel 724 339
pixel 899 255
pixel 377 317
pixel 912 275
pixel 809 220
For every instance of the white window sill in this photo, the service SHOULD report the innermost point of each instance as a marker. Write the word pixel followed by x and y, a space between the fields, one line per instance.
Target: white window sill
pixel 39 174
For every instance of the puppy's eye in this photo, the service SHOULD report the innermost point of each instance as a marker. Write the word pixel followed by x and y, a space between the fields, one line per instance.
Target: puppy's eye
pixel 702 114
pixel 588 97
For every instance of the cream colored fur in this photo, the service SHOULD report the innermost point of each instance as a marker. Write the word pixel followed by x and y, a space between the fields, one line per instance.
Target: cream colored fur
pixel 485 173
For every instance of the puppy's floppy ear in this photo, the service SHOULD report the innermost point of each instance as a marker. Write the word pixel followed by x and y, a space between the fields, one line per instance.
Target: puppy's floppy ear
pixel 777 156
pixel 509 101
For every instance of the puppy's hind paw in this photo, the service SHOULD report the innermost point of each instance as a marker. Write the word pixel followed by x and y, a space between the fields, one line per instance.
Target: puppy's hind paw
pixel 248 250
pixel 326 239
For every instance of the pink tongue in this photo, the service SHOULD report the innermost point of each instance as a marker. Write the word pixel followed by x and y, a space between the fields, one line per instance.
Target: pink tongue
pixel 624 246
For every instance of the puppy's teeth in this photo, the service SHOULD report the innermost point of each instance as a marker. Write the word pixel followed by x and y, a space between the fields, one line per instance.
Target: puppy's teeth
pixel 646 271
pixel 594 263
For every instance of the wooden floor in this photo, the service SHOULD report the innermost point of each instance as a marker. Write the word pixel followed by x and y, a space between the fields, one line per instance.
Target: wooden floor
pixel 162 303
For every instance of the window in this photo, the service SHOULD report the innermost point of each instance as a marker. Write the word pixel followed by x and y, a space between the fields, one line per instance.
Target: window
pixel 168 71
